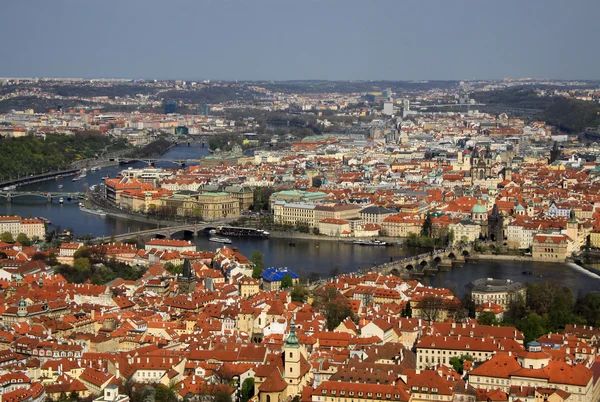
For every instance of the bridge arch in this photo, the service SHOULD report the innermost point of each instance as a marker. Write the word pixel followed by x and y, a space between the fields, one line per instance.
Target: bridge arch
pixel 465 253
pixel 409 267
pixel 423 263
pixel 186 233
pixel 395 272
pixel 452 256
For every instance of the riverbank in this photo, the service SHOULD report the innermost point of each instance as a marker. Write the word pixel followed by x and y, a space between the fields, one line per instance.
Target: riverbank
pixel 307 236
pixel 499 257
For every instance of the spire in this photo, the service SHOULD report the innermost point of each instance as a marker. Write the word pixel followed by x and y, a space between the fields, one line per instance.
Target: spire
pixel 187 269
pixel 572 218
pixel 292 339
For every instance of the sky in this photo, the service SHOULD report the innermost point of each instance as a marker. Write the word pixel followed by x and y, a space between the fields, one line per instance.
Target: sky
pixel 300 39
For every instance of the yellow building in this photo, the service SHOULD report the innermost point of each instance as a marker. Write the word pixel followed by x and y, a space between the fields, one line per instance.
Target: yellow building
pixel 550 247
pixel 218 205
pixel 248 287
pixel 595 239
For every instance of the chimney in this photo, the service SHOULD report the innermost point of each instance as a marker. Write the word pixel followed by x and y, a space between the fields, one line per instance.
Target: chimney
pixel 117 371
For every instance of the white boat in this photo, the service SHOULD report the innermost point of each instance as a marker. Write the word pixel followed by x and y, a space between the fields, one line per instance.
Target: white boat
pixel 61 200
pixel 98 212
pixel 212 232
pixel 60 186
pixel 95 168
pixel 216 239
pixel 9 188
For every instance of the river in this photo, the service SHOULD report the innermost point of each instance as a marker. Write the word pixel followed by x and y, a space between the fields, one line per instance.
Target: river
pixel 306 256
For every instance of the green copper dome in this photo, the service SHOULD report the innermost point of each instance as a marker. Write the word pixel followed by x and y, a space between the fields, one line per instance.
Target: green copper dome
pixel 292 339
pixel 479 208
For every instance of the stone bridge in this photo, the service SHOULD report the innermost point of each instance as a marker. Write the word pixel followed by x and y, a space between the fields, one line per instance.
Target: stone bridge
pixel 10 195
pixel 428 263
pixel 166 232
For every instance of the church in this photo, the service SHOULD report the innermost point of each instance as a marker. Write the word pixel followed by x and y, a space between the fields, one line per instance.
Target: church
pixel 283 375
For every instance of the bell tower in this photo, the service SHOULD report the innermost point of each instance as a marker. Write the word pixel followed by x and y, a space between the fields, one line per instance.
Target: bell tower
pixel 292 360
pixel 572 226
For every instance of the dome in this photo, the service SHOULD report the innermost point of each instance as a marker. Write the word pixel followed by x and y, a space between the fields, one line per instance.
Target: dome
pixel 22 302
pixel 519 207
pixel 479 208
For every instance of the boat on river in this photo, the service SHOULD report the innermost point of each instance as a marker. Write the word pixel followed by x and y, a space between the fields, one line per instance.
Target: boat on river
pixel 217 239
pixel 242 232
pixel 95 168
pixel 371 243
pixel 98 212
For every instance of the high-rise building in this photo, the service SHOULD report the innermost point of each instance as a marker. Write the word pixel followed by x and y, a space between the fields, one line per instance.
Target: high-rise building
pixel 406 109
pixel 388 108
pixel 170 107
pixel 204 109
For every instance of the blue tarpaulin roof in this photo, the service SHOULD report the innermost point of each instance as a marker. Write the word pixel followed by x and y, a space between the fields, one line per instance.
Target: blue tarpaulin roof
pixel 276 274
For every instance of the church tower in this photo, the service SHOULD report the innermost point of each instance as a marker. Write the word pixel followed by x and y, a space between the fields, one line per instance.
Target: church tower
pixel 508 172
pixel 22 308
pixel 291 360
pixel 572 226
pixel 187 281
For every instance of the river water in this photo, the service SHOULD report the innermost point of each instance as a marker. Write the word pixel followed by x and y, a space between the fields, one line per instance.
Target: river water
pixel 306 256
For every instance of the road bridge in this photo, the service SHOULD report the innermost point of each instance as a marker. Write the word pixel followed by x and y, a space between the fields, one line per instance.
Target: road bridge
pixel 10 195
pixel 152 161
pixel 166 231
pixel 428 263
pixel 22 180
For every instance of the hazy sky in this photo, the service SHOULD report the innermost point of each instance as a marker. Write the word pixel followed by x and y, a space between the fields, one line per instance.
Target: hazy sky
pixel 300 39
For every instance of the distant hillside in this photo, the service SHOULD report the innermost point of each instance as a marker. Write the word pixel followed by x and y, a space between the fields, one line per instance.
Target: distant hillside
pixel 570 115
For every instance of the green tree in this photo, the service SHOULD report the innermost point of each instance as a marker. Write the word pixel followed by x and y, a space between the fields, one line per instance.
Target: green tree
pixel 174 269
pixel 23 239
pixel 247 389
pixel 287 281
pixel 257 260
pixel 333 305
pixel 533 326
pixel 427 228
pixel 487 318
pixel 164 394
pixel 406 311
pixel 515 310
pixel 588 308
pixel 6 237
pixel 458 363
pixel 299 293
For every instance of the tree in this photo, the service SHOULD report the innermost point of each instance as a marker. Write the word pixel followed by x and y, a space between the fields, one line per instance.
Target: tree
pixel 247 389
pixel 333 305
pixel 23 239
pixel 458 363
pixel 174 269
pixel 287 281
pixel 430 307
pixel 588 308
pixel 427 228
pixel 515 310
pixel 487 318
pixel 406 311
pixel 299 293
pixel 258 264
pixel 6 237
pixel 223 375
pixel 164 394
pixel 533 326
